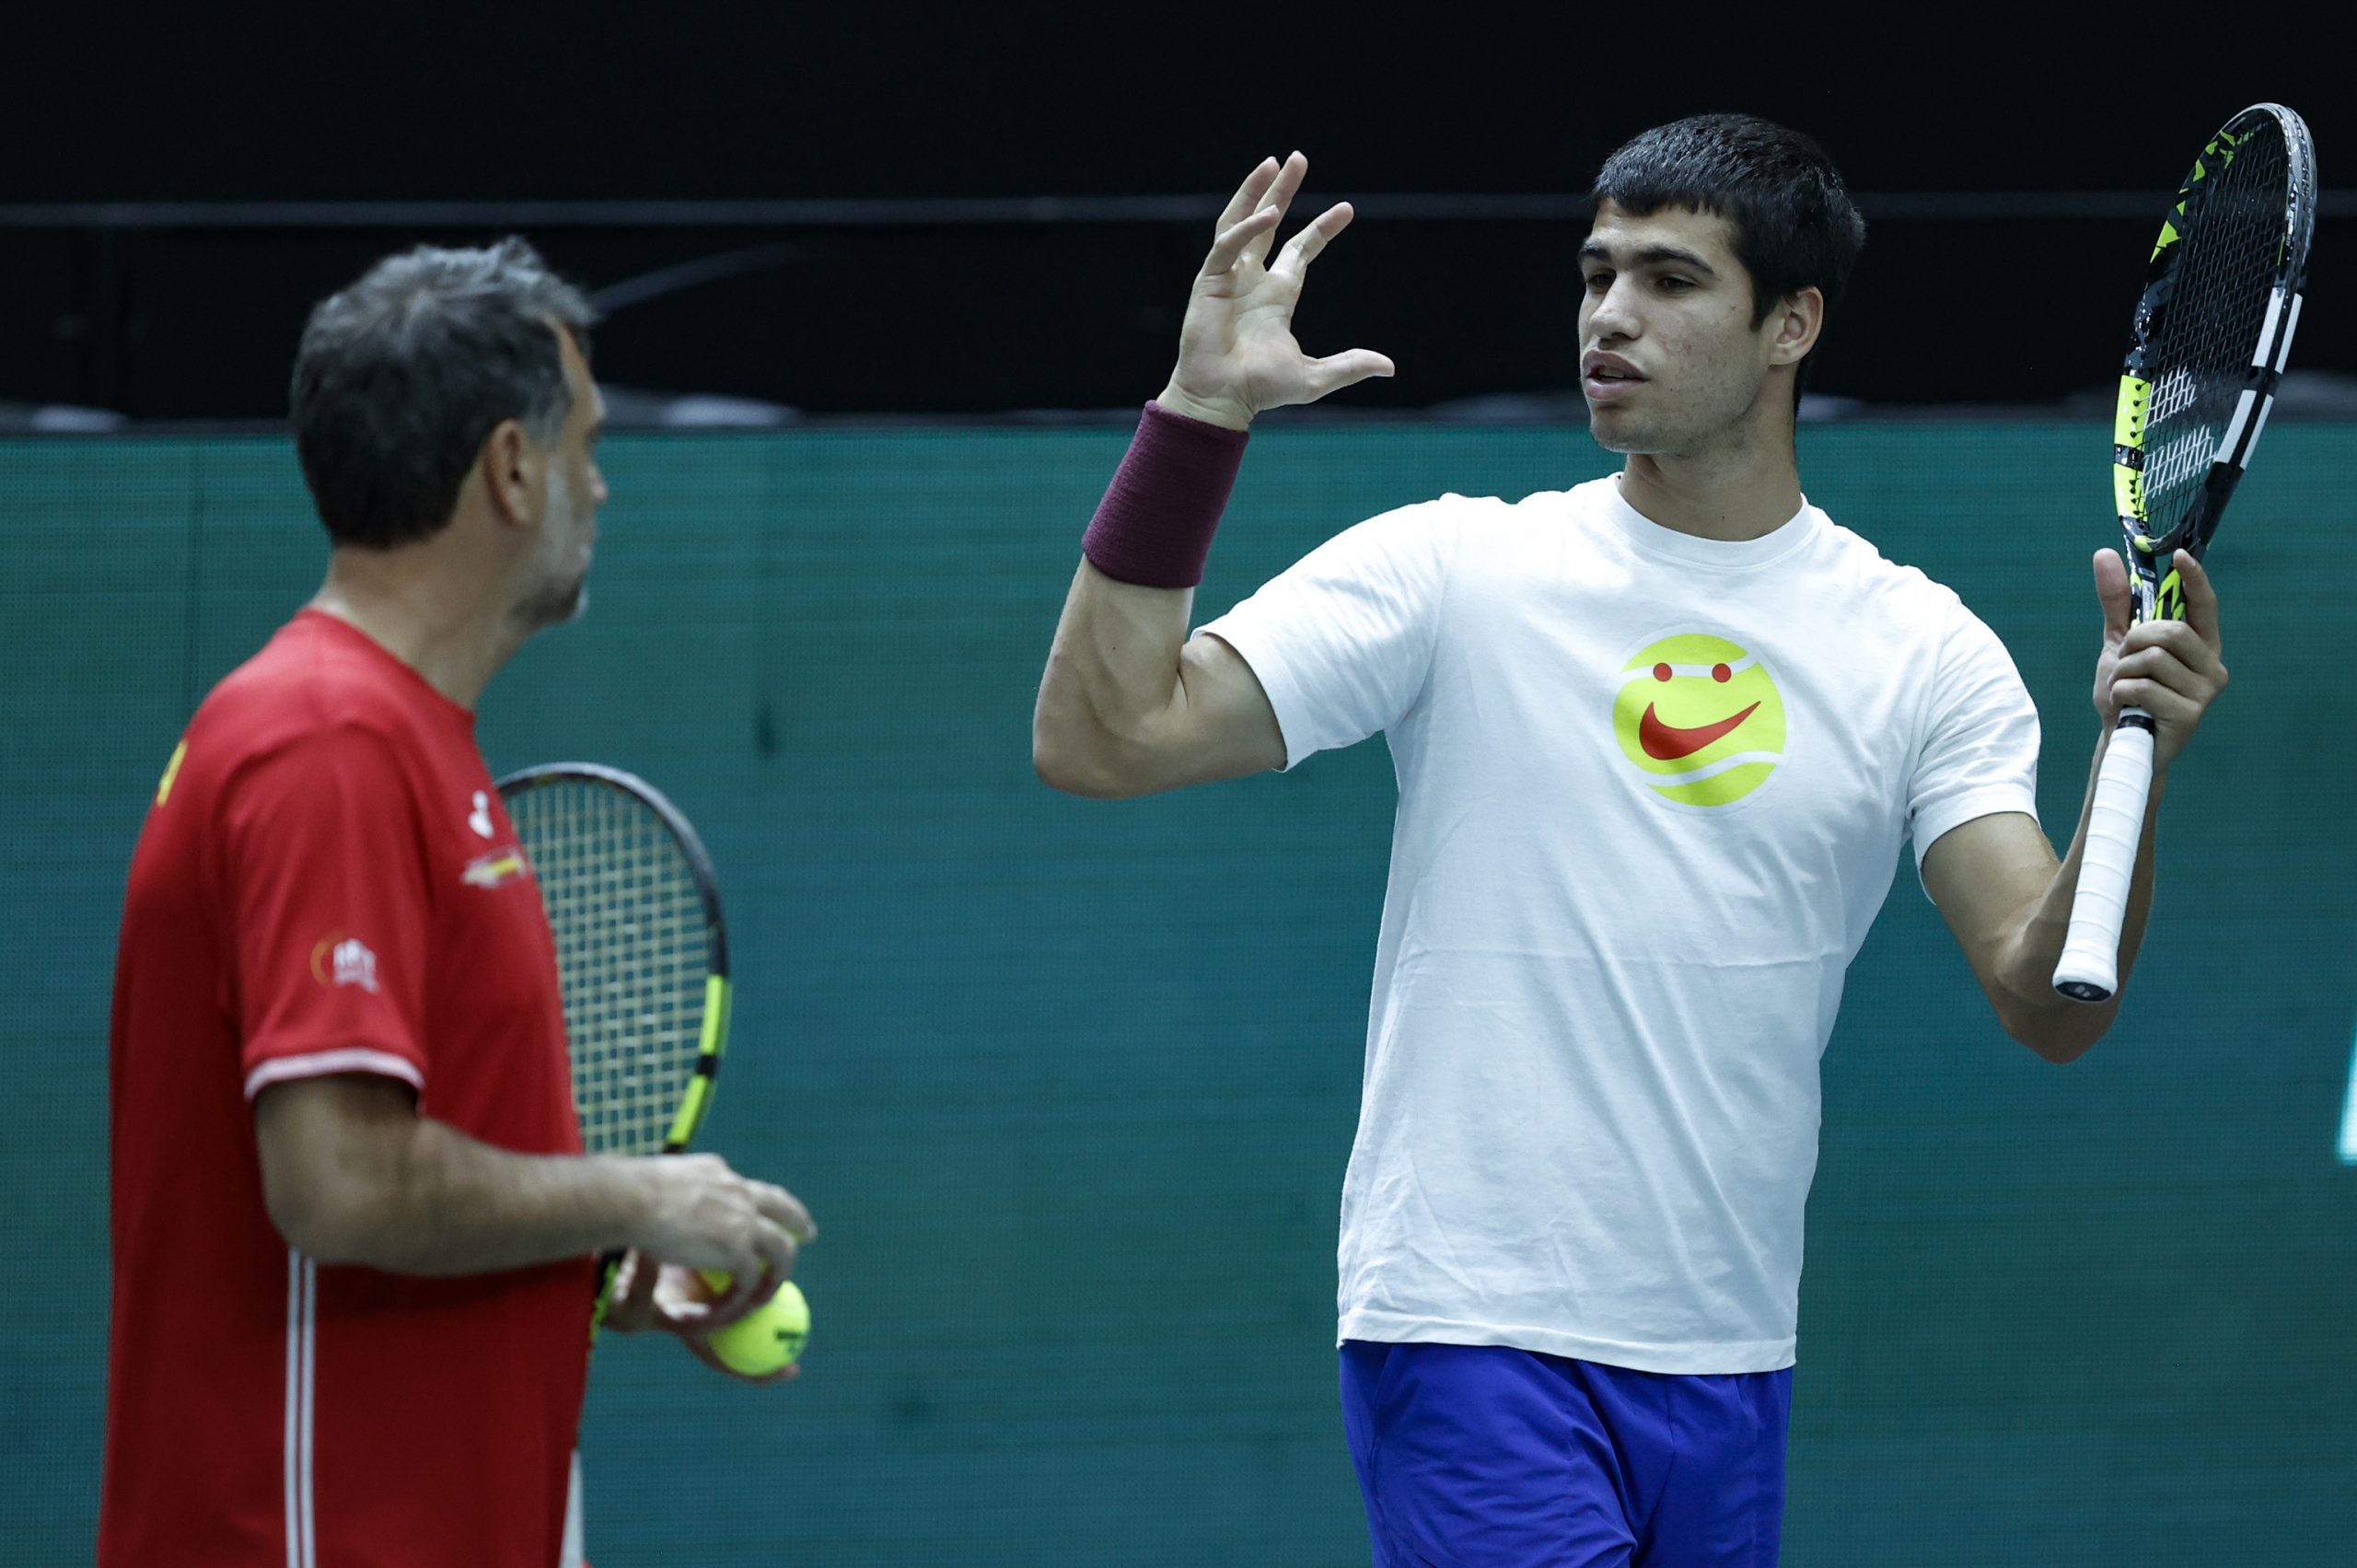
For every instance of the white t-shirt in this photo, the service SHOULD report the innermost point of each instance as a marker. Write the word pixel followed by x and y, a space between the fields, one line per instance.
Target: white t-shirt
pixel 1652 792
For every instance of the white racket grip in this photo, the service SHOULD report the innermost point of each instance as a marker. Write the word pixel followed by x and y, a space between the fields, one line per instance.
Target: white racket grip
pixel 2089 970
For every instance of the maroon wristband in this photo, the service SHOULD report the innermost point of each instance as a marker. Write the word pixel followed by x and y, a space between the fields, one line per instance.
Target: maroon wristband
pixel 1154 526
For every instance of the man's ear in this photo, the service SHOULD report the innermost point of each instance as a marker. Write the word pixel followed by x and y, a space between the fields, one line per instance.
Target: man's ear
pixel 1797 320
pixel 511 473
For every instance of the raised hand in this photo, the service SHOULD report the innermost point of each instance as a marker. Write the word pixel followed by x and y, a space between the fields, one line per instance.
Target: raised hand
pixel 1237 352
pixel 2173 669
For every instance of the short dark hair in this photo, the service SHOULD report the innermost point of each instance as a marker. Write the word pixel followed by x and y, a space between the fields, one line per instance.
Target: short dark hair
pixel 1794 224
pixel 403 376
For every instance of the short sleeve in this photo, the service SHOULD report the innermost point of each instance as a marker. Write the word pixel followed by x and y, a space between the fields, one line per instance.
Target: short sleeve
pixel 1343 640
pixel 1978 755
pixel 325 884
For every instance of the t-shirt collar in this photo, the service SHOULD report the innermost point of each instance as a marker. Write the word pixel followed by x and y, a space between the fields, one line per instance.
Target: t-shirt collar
pixel 1693 549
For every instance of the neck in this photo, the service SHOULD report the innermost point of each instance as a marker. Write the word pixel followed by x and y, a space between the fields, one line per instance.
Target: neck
pixel 1747 490
pixel 450 626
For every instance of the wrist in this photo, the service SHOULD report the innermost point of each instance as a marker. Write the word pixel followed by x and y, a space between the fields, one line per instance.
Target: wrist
pixel 625 1199
pixel 1153 527
pixel 1223 412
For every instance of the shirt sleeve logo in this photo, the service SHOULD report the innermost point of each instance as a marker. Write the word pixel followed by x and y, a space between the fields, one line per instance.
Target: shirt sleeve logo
pixel 1700 718
pixel 338 959
pixel 491 870
pixel 480 817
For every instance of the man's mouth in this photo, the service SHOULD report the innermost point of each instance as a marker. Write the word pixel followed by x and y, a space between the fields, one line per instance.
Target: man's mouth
pixel 1607 376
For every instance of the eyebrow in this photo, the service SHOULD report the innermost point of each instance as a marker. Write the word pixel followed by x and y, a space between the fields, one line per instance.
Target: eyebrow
pixel 1651 256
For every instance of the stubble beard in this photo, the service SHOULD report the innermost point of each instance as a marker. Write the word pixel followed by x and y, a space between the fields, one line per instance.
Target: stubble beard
pixel 562 595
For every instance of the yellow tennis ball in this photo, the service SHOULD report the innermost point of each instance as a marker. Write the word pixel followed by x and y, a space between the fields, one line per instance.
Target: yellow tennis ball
pixel 1701 717
pixel 767 1337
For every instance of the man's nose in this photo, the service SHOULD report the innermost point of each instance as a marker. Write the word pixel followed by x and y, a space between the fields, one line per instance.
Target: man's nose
pixel 1616 314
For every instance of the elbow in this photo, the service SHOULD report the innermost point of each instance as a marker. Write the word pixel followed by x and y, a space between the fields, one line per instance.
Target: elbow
pixel 337 1206
pixel 1084 770
pixel 2062 1034
pixel 324 1225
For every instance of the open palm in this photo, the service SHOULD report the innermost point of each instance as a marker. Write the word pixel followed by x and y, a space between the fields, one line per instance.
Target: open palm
pixel 1237 352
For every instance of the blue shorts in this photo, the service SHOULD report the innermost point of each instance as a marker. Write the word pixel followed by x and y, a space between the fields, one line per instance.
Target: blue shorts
pixel 1476 1455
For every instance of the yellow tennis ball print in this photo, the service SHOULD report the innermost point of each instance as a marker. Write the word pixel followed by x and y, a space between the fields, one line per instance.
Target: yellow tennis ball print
pixel 1701 718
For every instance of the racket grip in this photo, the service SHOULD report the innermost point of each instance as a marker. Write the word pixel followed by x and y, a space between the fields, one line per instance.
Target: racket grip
pixel 2089 970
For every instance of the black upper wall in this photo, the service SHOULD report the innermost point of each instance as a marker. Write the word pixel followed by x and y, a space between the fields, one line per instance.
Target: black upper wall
pixel 600 103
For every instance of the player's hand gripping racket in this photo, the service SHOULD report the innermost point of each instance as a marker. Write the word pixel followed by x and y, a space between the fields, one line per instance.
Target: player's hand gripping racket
pixel 641 952
pixel 2211 333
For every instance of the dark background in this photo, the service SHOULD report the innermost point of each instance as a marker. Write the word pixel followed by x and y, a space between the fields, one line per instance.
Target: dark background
pixel 1962 299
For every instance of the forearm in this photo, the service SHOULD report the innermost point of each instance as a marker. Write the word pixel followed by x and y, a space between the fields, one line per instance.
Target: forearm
pixel 451 1205
pixel 1117 672
pixel 2042 1018
pixel 399 1192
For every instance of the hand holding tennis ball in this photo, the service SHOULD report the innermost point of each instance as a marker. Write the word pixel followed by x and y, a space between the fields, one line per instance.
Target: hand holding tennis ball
pixel 766 1340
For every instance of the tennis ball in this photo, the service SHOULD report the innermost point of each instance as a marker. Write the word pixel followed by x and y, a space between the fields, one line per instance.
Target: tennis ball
pixel 767 1337
pixel 1701 717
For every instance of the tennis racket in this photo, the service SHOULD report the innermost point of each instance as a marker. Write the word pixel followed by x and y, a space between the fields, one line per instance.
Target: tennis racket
pixel 642 956
pixel 2211 333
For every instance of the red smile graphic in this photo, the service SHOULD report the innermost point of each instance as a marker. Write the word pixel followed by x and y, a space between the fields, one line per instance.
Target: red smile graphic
pixel 1667 742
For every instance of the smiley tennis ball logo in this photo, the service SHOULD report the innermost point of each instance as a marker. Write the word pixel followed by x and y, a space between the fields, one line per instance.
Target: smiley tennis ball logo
pixel 1701 718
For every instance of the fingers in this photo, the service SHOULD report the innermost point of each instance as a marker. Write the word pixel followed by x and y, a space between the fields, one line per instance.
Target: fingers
pixel 1248 226
pixel 1336 371
pixel 738 1293
pixel 2148 645
pixel 2169 656
pixel 2111 591
pixel 1233 240
pixel 1281 191
pixel 2201 597
pixel 784 1210
pixel 629 1305
pixel 2170 708
pixel 1304 248
pixel 1247 199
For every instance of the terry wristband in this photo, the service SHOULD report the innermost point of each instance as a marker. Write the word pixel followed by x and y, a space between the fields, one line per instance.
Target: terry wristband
pixel 1154 526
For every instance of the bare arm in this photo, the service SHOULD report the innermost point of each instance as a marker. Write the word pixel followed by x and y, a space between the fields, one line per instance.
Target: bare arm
pixel 1129 704
pixel 353 1174
pixel 1996 880
pixel 1114 720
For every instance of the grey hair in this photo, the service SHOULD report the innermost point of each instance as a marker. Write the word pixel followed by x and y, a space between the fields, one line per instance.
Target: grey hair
pixel 401 377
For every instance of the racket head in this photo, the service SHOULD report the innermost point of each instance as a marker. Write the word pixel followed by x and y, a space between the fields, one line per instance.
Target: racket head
pixel 642 950
pixel 2211 336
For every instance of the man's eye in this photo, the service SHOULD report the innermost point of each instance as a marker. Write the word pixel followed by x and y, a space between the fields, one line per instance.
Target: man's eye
pixel 1598 281
pixel 1677 284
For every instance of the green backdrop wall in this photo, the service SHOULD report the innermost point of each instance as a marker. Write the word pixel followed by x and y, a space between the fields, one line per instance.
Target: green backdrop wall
pixel 1071 1085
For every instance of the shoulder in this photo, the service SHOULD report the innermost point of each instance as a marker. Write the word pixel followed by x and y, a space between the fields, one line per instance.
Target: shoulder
pixel 1447 519
pixel 309 699
pixel 1905 593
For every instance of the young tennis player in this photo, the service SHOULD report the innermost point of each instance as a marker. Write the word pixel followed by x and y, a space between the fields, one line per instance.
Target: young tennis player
pixel 1660 741
pixel 352 1230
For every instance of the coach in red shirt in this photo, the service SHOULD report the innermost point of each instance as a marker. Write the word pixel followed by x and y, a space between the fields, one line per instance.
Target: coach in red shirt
pixel 352 1225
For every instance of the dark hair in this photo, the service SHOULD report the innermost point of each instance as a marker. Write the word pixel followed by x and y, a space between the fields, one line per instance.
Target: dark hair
pixel 1793 224
pixel 403 376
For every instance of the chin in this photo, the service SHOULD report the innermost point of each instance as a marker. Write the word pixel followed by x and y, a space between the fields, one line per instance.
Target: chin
pixel 1617 435
pixel 553 609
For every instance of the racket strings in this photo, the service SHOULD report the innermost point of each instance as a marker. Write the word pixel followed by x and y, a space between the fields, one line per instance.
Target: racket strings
pixel 2199 351
pixel 631 945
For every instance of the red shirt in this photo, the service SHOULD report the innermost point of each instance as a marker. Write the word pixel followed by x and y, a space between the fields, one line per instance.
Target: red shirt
pixel 327 883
